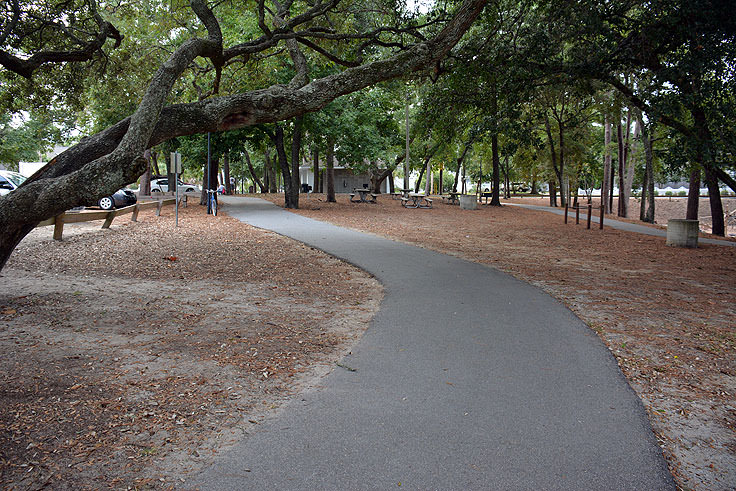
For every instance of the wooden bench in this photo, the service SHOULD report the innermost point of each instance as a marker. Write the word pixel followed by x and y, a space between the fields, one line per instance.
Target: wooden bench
pixel 486 195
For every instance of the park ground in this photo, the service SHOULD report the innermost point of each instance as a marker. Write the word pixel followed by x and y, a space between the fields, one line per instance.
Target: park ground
pixel 132 355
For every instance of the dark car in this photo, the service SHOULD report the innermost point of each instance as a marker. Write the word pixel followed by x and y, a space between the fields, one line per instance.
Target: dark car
pixel 123 197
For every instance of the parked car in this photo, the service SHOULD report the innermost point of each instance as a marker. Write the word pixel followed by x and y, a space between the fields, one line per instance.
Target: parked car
pixel 9 181
pixel 162 186
pixel 119 199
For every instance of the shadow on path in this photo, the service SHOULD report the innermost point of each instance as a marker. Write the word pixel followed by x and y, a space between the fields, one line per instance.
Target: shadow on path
pixel 466 379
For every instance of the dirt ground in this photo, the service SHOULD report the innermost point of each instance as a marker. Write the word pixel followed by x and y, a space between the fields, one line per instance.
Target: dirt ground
pixel 130 356
pixel 667 314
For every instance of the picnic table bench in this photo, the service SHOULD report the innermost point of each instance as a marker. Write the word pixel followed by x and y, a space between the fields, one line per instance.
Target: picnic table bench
pixel 363 192
pixel 451 199
pixel 414 200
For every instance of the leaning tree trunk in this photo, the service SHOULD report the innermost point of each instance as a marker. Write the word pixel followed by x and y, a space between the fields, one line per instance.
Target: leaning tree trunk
pixel 253 174
pixel 419 179
pixel 330 174
pixel 102 163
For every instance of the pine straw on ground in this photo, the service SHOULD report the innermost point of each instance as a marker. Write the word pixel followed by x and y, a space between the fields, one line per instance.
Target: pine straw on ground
pixel 131 355
pixel 667 314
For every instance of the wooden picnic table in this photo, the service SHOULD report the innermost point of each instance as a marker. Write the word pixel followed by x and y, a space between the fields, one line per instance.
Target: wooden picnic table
pixel 363 192
pixel 403 193
pixel 416 200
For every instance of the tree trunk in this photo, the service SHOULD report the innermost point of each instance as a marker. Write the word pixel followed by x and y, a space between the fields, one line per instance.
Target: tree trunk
pixel 622 212
pixel 271 172
pixel 630 161
pixel 331 170
pixel 288 170
pixel 170 172
pixel 552 194
pixel 419 179
pixel 716 205
pixel 296 160
pixel 605 187
pixel 253 174
pixel 145 188
pixel 226 173
pixel 495 198
pixel 379 177
pixel 315 160
pixel 556 168
pixel 647 190
pixel 154 164
pixel 693 193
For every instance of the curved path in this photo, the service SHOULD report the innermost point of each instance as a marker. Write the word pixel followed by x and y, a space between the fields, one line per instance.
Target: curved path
pixel 466 379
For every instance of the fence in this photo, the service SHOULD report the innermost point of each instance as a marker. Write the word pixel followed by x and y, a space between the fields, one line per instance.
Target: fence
pixel 90 215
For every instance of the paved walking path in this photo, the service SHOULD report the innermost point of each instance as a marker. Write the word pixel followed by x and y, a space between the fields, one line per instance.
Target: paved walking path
pixel 466 379
pixel 608 222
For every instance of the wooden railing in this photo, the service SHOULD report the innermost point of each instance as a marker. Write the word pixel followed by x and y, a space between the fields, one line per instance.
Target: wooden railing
pixel 91 215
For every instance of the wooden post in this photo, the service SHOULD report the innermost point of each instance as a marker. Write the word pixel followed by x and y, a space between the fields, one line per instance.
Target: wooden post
pixel 603 208
pixel 108 220
pixel 158 208
pixel 134 216
pixel 58 226
pixel 566 207
pixel 577 214
pixel 590 214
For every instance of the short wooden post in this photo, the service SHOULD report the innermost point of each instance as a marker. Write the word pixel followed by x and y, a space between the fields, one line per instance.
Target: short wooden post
pixel 108 220
pixel 590 214
pixel 600 225
pixel 58 226
pixel 134 216
pixel 567 205
pixel 158 208
pixel 577 214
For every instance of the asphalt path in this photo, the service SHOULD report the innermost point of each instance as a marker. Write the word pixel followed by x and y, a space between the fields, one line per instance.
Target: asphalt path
pixel 466 379
pixel 608 222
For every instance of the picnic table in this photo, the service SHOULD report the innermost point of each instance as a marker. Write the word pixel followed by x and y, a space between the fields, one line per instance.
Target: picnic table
pixel 452 199
pixel 363 192
pixel 403 193
pixel 416 200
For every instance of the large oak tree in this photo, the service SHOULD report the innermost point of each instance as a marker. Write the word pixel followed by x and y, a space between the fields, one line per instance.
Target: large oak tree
pixel 101 163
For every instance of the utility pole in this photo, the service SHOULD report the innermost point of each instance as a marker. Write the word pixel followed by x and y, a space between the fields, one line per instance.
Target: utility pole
pixel 209 206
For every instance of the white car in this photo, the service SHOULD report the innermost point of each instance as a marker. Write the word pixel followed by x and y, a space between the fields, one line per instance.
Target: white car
pixel 162 186
pixel 9 181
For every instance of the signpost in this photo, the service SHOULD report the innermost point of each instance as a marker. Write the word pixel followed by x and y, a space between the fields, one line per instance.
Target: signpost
pixel 176 164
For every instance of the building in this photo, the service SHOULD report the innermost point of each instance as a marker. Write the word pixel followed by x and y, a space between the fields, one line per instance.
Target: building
pixel 345 179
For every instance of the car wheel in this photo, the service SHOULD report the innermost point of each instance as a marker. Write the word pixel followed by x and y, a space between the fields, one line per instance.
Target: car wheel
pixel 106 203
pixel 155 191
pixel 189 190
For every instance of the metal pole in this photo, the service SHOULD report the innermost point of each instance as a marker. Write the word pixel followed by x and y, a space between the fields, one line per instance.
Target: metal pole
pixel 209 206
pixel 406 161
pixel 176 179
